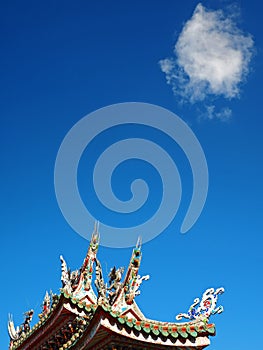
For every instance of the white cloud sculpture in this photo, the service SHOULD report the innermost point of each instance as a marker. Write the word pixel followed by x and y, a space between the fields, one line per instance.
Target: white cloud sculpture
pixel 212 58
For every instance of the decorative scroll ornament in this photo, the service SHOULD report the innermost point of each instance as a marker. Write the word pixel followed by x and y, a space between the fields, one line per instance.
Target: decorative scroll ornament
pixel 16 333
pixel 65 276
pixel 206 308
pixel 138 282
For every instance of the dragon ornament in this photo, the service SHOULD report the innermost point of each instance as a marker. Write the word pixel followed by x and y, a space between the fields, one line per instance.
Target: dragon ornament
pixel 202 310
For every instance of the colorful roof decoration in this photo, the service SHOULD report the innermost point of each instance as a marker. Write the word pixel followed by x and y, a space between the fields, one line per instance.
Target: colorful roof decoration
pixel 79 318
pixel 206 308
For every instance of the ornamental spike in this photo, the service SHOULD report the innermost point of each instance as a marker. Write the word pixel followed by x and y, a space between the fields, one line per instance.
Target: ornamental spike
pixel 139 242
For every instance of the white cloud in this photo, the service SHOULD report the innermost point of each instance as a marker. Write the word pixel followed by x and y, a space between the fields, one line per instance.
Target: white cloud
pixel 211 58
pixel 224 114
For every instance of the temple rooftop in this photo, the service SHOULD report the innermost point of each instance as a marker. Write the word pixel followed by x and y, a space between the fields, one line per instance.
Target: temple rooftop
pixel 89 313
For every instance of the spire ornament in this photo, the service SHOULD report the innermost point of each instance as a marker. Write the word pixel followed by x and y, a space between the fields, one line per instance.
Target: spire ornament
pixel 65 276
pixel 206 308
pixel 99 283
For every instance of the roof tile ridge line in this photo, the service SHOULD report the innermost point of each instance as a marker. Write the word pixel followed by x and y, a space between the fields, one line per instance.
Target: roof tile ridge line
pixel 138 310
pixel 166 329
pixel 186 323
pixel 183 329
pixel 186 327
pixel 36 326
pixel 79 331
pixel 82 305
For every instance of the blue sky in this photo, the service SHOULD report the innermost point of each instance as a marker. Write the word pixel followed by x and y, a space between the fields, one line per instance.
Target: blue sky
pixel 63 60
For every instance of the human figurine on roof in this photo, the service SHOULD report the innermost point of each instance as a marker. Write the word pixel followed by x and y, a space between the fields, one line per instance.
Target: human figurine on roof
pixel 28 318
pixel 115 276
pixel 74 278
pixel 99 282
pixel 45 306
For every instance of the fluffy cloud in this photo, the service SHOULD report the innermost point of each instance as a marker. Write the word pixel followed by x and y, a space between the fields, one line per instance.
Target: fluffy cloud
pixel 224 114
pixel 211 58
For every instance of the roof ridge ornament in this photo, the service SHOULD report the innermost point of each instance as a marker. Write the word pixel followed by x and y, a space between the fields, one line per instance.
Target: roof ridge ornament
pixel 100 284
pixel 139 242
pixel 78 282
pixel 96 227
pixel 65 276
pixel 16 333
pixel 46 305
pixel 206 308
pixel 113 305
